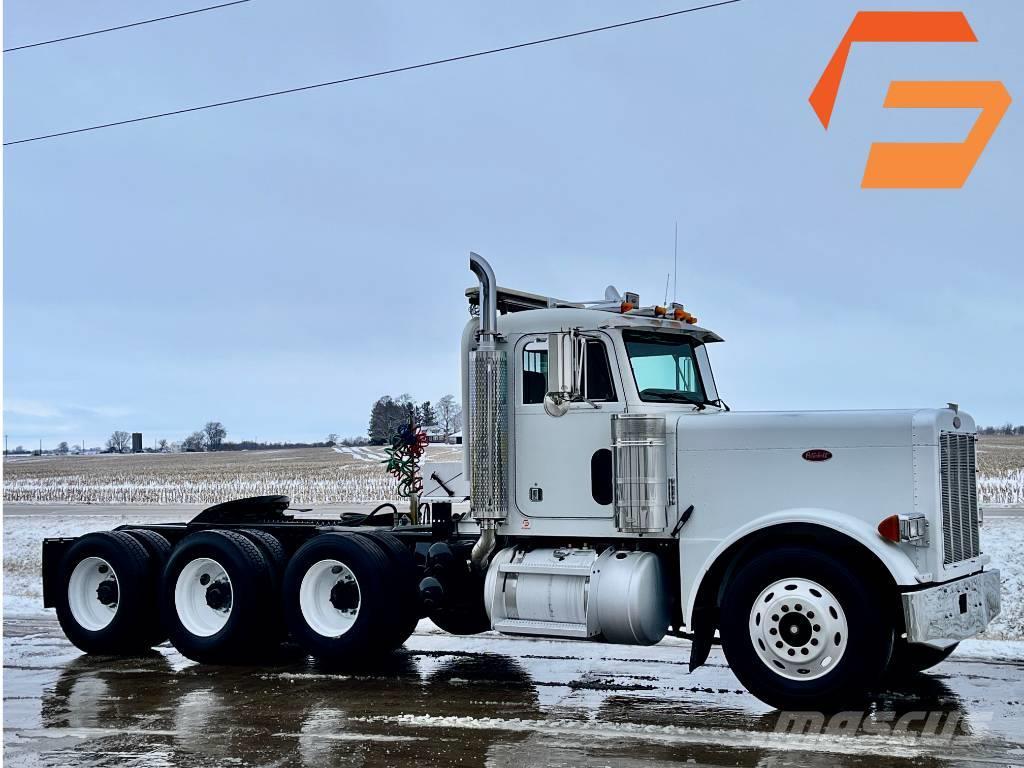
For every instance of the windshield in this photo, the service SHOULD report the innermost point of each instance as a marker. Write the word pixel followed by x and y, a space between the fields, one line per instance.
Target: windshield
pixel 664 367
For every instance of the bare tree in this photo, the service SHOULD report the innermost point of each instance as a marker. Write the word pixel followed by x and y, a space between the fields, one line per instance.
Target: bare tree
pixel 62 447
pixel 194 442
pixel 332 439
pixel 161 445
pixel 449 415
pixel 215 434
pixel 119 441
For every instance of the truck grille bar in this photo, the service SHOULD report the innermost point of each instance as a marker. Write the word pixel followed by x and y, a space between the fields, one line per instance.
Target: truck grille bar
pixel 957 465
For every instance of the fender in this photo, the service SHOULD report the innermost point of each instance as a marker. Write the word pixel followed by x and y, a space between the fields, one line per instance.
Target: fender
pixel 899 565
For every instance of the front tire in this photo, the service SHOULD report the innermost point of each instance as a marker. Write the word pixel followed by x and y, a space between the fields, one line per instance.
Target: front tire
pixel 801 630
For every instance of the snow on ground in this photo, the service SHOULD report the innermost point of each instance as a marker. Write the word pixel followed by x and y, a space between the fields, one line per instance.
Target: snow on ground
pixel 363 452
pixel 1003 539
pixel 23 551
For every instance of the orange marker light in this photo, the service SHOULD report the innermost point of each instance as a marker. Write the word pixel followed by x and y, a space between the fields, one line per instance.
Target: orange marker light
pixel 660 311
pixel 626 307
pixel 679 314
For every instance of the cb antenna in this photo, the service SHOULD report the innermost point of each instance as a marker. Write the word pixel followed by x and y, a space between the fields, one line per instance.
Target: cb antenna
pixel 675 264
pixel 668 276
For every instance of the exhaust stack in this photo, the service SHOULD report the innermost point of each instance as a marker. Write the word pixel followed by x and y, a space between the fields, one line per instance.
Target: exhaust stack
pixel 488 419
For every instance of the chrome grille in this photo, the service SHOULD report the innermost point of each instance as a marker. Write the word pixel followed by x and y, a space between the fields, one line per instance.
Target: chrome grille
pixel 959 497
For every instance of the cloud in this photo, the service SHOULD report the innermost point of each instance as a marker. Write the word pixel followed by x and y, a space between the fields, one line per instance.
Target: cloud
pixel 32 408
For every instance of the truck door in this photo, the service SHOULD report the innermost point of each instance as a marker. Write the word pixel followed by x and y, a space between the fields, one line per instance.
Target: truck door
pixel 562 465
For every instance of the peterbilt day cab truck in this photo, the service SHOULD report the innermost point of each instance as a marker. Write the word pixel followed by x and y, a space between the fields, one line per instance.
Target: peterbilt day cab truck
pixel 613 497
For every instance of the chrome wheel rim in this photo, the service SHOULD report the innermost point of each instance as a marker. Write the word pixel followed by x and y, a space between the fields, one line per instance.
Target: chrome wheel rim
pixel 203 597
pixel 798 629
pixel 330 598
pixel 93 593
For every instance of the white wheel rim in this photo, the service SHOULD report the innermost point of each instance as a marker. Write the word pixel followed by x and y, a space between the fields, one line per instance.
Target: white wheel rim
pixel 798 629
pixel 203 597
pixel 330 598
pixel 93 593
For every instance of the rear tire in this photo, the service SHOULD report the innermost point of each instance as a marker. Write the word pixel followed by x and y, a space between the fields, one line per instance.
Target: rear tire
pixel 405 584
pixel 271 548
pixel 159 550
pixel 802 630
pixel 106 602
pixel 218 599
pixel 908 659
pixel 273 551
pixel 336 598
pixel 158 547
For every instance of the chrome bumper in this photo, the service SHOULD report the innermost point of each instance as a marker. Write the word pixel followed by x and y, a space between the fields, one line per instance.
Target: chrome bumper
pixel 950 612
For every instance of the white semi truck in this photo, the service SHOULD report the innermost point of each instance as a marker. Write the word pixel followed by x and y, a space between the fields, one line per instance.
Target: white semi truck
pixel 613 497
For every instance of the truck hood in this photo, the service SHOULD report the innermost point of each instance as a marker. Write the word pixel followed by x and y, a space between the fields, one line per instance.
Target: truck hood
pixel 754 430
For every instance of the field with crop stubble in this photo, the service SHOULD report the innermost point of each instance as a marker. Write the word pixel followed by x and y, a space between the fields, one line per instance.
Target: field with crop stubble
pixel 1001 469
pixel 307 475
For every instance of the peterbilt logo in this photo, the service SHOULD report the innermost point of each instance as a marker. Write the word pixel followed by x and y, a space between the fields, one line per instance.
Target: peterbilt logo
pixel 817 454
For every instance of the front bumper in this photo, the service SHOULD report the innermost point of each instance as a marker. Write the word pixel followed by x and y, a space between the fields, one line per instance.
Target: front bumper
pixel 950 612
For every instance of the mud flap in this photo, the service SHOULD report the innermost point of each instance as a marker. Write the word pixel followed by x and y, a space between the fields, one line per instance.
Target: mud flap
pixel 702 640
pixel 53 554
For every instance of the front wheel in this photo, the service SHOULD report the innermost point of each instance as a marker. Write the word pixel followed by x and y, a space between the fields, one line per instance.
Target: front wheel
pixel 801 630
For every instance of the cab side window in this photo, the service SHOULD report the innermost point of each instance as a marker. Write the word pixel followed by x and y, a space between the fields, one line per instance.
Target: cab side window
pixel 535 372
pixel 597 381
pixel 597 384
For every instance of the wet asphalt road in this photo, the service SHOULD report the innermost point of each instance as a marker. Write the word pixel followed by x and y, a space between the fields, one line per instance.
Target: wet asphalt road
pixel 484 700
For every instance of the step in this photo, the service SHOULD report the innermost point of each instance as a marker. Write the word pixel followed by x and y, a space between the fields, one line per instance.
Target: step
pixel 542 628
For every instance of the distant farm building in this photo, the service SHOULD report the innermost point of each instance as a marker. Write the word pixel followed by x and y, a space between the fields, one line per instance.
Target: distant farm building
pixel 434 433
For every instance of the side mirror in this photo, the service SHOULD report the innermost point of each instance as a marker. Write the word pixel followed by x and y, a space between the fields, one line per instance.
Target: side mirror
pixel 566 364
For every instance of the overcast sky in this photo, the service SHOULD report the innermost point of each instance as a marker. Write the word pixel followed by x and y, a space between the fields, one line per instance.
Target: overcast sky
pixel 278 265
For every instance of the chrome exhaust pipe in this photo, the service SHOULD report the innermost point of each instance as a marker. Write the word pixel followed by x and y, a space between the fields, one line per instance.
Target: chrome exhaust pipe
pixel 481 553
pixel 488 296
pixel 488 420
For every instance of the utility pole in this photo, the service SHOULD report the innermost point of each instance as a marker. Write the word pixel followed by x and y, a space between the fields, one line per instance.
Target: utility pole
pixel 6 451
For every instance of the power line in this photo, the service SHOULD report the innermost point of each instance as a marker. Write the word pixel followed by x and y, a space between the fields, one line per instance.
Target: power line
pixel 123 26
pixel 368 76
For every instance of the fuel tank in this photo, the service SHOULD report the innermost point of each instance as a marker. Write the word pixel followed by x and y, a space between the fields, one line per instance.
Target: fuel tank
pixel 613 595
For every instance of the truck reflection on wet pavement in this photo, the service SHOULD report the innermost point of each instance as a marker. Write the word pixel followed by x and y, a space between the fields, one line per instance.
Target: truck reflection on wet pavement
pixel 483 700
